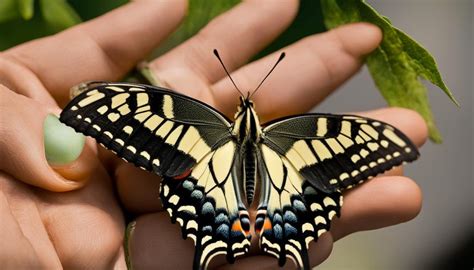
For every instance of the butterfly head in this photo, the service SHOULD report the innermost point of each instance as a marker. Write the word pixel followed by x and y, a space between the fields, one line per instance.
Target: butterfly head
pixel 246 102
pixel 245 106
pixel 246 123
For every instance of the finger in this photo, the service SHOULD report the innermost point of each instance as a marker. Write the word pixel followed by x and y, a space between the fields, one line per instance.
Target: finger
pixel 120 260
pixel 22 147
pixel 104 48
pixel 86 226
pixel 22 80
pixel 19 254
pixel 381 202
pixel 138 189
pixel 238 35
pixel 30 232
pixel 407 121
pixel 313 68
pixel 155 243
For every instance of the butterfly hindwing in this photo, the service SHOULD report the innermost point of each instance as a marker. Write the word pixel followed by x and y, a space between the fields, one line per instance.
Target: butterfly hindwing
pixel 154 128
pixel 208 206
pixel 292 212
pixel 336 152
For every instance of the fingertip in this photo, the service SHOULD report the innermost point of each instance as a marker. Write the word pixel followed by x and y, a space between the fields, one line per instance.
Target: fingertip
pixel 410 207
pixel 381 202
pixel 67 155
pixel 76 173
pixel 358 39
pixel 23 144
pixel 181 8
pixel 408 121
pixel 320 250
pixel 413 124
pixel 62 145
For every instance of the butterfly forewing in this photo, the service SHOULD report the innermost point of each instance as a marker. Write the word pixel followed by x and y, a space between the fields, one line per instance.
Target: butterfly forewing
pixel 336 152
pixel 154 128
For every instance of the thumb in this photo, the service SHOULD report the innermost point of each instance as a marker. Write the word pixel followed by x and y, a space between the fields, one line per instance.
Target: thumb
pixel 37 149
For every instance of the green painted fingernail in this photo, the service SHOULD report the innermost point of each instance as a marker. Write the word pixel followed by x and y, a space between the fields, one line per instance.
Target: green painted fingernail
pixel 62 144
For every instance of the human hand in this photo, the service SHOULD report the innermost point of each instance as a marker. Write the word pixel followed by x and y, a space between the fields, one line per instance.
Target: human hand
pixel 50 228
pixel 315 67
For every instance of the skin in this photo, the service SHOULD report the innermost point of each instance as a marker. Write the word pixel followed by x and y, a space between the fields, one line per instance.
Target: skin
pixel 70 216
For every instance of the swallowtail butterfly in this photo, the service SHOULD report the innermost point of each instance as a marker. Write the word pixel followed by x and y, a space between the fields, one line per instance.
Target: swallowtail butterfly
pixel 212 167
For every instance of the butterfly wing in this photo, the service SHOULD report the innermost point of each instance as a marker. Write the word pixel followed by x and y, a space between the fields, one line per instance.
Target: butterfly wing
pixel 336 152
pixel 181 139
pixel 305 163
pixel 154 128
pixel 208 206
pixel 292 212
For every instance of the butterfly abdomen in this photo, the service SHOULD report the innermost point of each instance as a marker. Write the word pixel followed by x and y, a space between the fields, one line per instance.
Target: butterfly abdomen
pixel 249 171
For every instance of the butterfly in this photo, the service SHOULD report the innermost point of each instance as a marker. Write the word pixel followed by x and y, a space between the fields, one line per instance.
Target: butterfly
pixel 293 169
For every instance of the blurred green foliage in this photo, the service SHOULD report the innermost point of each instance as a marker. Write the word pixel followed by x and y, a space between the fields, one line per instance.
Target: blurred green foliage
pixel 23 20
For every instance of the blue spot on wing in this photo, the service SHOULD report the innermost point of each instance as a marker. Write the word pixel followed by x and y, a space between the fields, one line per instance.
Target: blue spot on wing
pixel 223 230
pixel 197 194
pixel 290 231
pixel 290 217
pixel 188 185
pixel 299 205
pixel 278 231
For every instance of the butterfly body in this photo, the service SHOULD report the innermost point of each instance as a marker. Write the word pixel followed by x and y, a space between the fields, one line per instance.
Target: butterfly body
pixel 247 132
pixel 292 169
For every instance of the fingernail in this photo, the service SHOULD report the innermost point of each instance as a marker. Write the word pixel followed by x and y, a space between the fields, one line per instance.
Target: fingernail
pixel 126 243
pixel 62 144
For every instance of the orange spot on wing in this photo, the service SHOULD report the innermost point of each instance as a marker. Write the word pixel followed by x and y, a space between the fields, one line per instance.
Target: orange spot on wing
pixel 267 225
pixel 237 226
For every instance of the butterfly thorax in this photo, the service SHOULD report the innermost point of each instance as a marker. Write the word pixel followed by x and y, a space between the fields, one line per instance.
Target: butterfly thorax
pixel 246 127
pixel 247 131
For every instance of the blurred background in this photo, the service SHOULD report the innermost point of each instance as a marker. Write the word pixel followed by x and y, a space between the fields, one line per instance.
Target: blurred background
pixel 442 236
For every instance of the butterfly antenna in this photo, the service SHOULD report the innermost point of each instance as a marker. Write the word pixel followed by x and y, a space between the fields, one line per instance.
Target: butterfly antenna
pixel 282 55
pixel 222 63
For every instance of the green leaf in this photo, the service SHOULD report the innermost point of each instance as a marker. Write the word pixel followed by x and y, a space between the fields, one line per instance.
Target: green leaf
pixel 59 14
pixel 397 64
pixel 26 8
pixel 8 10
